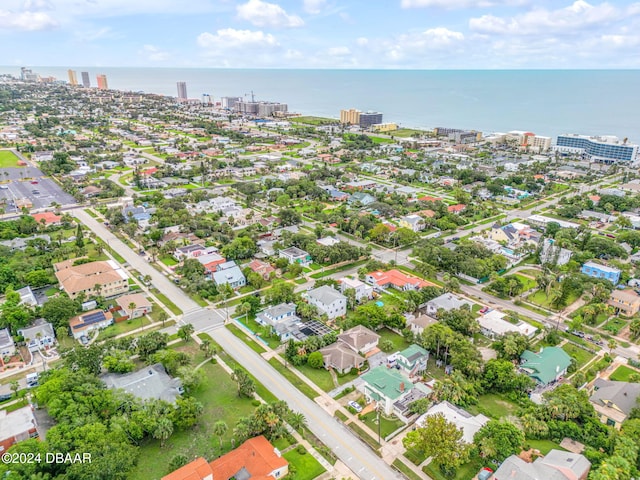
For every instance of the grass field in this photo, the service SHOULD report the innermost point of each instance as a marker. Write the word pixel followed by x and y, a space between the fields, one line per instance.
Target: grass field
pixel 306 467
pixel 581 356
pixel 540 298
pixel 494 406
pixel 399 342
pixel 8 159
pixel 465 472
pixel 545 446
pixel 310 120
pixel 293 378
pixel 528 283
pixel 218 395
pixel 622 374
pixel 387 425
pixel 406 471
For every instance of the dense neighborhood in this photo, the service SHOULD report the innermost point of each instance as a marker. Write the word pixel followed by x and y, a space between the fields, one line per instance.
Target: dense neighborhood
pixel 189 292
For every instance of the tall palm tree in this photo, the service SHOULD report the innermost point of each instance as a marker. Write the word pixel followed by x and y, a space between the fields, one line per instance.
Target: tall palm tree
pixel 219 429
pixel 163 430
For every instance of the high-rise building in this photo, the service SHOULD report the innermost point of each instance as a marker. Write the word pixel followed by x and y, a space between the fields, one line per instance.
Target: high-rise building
pixel 230 102
pixel 86 83
pixel 206 99
pixel 369 118
pixel 102 82
pixel 28 75
pixel 606 149
pixel 351 116
pixel 73 78
pixel 182 90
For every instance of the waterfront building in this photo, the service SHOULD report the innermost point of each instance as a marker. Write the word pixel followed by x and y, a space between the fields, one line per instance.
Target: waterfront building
pixel 351 116
pixel 605 149
pixel 367 119
pixel 102 82
pixel 230 102
pixel 73 78
pixel 86 83
pixel 182 90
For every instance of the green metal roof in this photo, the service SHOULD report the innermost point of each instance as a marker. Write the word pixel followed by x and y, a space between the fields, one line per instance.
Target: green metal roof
pixel 387 381
pixel 413 352
pixel 545 365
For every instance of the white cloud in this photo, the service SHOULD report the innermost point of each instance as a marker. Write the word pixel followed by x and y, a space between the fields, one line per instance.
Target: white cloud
pixel 264 14
pixel 26 20
pixel 314 6
pixel 339 51
pixel 232 39
pixel 578 16
pixel 456 4
pixel 154 54
pixel 362 41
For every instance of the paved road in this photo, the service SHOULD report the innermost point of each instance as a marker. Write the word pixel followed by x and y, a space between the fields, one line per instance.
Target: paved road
pixel 357 456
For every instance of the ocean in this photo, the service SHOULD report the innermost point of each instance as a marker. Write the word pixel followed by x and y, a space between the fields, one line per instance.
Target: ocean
pixel 545 102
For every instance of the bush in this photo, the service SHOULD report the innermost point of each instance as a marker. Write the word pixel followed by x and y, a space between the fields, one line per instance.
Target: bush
pixel 255 402
pixel 301 450
pixel 315 360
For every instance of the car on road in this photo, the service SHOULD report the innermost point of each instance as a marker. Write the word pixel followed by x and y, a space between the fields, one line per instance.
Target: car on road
pixel 34 182
pixel 4 187
pixel 35 192
pixel 484 310
pixel 5 396
pixel 356 406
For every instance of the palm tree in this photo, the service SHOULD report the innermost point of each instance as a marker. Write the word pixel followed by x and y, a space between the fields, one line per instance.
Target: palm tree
pixel 612 344
pixel 219 429
pixel 205 346
pixel 297 420
pixel 163 430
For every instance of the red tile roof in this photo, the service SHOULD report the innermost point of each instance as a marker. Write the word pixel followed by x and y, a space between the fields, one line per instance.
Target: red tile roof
pixel 456 208
pixel 256 455
pixel 199 469
pixel 398 279
pixel 48 217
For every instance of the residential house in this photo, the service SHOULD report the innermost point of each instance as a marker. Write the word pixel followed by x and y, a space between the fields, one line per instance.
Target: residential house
pixel 553 254
pixel 229 273
pixel 395 279
pixel 385 386
pixel 328 241
pixel 84 323
pixel 27 297
pixel 463 420
pixel 413 222
pixel 546 366
pixel 626 302
pixel 138 214
pixel 599 216
pixel 418 324
pixel 360 339
pixel 296 255
pixel 193 250
pixel 142 304
pixel 21 243
pixel 255 459
pixel 38 335
pixel 446 301
pixel 613 401
pixel 7 345
pixel 555 465
pixel 457 209
pixel 17 426
pixel 148 383
pixel 597 270
pixel 361 289
pixel 341 358
pixel 281 318
pixel 91 191
pixel 493 325
pixel 328 301
pixel 361 198
pixel 264 269
pixel 211 262
pixel 102 278
pixel 47 218
pixel 412 360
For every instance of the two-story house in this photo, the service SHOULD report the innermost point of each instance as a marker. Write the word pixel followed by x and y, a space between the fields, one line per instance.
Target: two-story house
pixel 281 319
pixel 626 302
pixel 412 360
pixel 101 278
pixel 229 273
pixel 7 345
pixel 38 335
pixel 296 255
pixel 360 339
pixel 361 289
pixel 446 301
pixel 597 270
pixel 413 222
pixel 613 401
pixel 328 301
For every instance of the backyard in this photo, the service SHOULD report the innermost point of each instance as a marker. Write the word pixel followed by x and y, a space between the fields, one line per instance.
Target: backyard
pixel 305 467
pixel 540 298
pixel 493 405
pixel 622 374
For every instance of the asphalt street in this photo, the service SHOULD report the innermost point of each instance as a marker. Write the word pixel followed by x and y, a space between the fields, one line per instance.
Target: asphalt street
pixel 355 454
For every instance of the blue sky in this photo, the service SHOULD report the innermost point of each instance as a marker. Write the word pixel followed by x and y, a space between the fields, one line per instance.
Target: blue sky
pixel 414 34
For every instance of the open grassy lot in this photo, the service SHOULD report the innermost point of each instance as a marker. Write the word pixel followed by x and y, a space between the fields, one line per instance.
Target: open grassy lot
pixel 8 159
pixel 622 374
pixel 540 298
pixel 218 395
pixel 614 325
pixel 528 283
pixel 406 471
pixel 387 425
pixel 494 406
pixel 168 260
pixel 581 356
pixel 124 327
pixel 545 446
pixel 319 376
pixel 406 132
pixel 310 120
pixel 305 466
pixel 293 378
pixel 399 342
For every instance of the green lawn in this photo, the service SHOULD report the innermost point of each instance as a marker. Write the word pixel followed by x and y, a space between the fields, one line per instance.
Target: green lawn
pixel 494 406
pixel 540 298
pixel 218 395
pixel 293 378
pixel 168 260
pixel 319 376
pixel 545 446
pixel 581 356
pixel 622 374
pixel 168 303
pixel 306 467
pixel 387 425
pixel 465 472
pixel 8 159
pixel 615 325
pixel 123 327
pixel 244 336
pixel 272 340
pixel 406 471
pixel 399 342
pixel 528 283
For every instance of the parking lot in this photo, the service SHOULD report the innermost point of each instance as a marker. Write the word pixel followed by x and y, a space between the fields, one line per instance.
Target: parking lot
pixel 19 183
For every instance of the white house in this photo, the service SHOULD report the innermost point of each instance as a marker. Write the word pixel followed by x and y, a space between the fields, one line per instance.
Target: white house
pixel 38 335
pixel 446 301
pixel 281 318
pixel 459 417
pixel 328 300
pixel 296 255
pixel 7 345
pixel 492 325
pixel 362 289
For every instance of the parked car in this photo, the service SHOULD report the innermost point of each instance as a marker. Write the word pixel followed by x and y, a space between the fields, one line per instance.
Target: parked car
pixel 5 396
pixel 34 182
pixel 484 310
pixel 356 406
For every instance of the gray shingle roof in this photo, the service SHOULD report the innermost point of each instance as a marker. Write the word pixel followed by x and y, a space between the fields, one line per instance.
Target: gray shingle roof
pixel 325 295
pixel 622 394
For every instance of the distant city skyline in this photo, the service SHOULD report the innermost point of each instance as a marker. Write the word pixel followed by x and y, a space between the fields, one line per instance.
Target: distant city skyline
pixel 404 34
